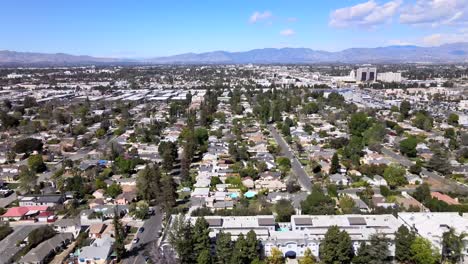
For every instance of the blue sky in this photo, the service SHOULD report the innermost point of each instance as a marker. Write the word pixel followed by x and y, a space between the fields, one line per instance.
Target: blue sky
pixel 115 28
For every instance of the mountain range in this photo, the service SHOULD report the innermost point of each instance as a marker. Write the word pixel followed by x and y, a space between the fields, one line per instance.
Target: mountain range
pixel 448 53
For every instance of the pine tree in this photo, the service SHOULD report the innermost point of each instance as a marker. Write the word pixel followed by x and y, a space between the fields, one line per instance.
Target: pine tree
pixel 204 257
pixel 223 248
pixel 239 253
pixel 403 240
pixel 336 247
pixel 201 236
pixel 363 255
pixel 335 164
pixel 253 246
pixel 168 193
pixel 181 239
pixel 148 182
pixel 119 235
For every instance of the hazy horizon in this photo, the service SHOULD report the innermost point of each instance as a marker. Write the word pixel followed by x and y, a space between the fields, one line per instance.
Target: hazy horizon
pixel 145 29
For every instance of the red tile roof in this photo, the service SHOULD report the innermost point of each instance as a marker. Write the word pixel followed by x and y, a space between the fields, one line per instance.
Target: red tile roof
pixel 22 210
pixel 445 198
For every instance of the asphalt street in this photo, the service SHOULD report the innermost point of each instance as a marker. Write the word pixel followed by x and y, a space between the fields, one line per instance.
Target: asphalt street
pixel 303 177
pixel 450 185
pixel 150 234
pixel 8 246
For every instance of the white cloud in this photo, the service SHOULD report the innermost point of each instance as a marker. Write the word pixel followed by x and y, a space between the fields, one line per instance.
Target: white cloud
pixel 436 12
pixel 365 14
pixel 440 38
pixel 398 42
pixel 287 32
pixel 257 16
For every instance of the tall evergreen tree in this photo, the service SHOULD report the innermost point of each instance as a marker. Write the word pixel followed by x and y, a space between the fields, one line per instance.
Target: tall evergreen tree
pixel 363 255
pixel 168 193
pixel 239 255
pixel 253 246
pixel 181 239
pixel 336 247
pixel 204 257
pixel 223 248
pixel 148 182
pixel 403 240
pixel 201 236
pixel 335 164
pixel 119 235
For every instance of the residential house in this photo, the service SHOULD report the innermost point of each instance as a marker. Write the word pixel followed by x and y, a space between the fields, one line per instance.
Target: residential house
pixel 98 252
pixel 68 225
pixel 96 230
pixel 413 179
pixel 45 251
pixel 339 179
pixel 444 198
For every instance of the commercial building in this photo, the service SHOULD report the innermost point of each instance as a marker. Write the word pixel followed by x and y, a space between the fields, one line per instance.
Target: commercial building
pixel 389 77
pixel 432 226
pixel 368 74
pixel 304 231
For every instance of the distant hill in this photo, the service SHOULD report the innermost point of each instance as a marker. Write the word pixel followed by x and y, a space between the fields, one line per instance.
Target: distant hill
pixel 457 52
pixel 12 58
pixel 449 53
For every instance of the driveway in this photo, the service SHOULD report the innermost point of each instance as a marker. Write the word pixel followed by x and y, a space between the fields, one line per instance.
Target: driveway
pixel 296 166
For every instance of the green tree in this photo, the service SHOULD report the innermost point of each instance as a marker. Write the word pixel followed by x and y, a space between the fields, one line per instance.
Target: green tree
pixel 359 123
pixel 395 176
pixel 308 257
pixel 276 257
pixel 408 146
pixel 453 119
pixel 253 246
pixel 119 236
pixel 452 246
pixel 27 179
pixel 28 145
pixel 405 108
pixel 204 257
pixel 284 209
pixel 422 252
pixel 223 248
pixel 404 238
pixel 168 193
pixel 181 239
pixel 375 134
pixel 423 121
pixel 422 193
pixel 240 248
pixel 201 236
pixel 114 190
pixel 318 203
pixel 36 163
pixel 335 164
pixel 439 161
pixel 139 210
pixel 336 247
pixel 363 255
pixel 347 204
pixel 148 182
